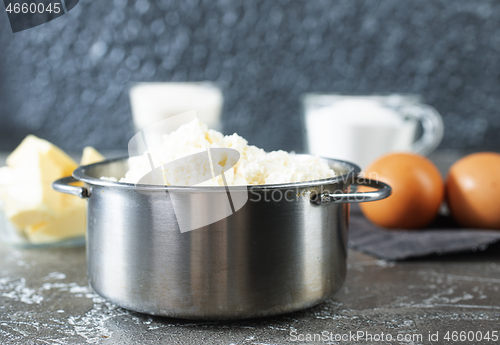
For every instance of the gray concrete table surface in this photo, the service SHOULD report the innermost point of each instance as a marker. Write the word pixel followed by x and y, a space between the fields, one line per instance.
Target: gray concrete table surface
pixel 45 299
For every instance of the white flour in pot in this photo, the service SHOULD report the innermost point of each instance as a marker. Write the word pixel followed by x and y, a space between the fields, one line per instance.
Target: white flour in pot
pixel 255 166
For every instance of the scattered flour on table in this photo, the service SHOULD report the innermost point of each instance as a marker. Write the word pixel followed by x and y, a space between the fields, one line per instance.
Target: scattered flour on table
pixel 90 326
pixel 17 290
pixel 55 275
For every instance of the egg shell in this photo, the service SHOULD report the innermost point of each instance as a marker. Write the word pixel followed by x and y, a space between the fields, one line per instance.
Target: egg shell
pixel 473 190
pixel 417 191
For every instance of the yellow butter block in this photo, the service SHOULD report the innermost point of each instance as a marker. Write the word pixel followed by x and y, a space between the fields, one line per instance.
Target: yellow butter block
pixel 6 178
pixel 26 200
pixel 46 172
pixel 29 198
pixel 91 156
pixel 25 155
pixel 21 199
pixel 30 203
pixel 21 217
pixel 68 223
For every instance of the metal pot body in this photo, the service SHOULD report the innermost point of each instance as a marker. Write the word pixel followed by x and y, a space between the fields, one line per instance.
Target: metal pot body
pixel 273 256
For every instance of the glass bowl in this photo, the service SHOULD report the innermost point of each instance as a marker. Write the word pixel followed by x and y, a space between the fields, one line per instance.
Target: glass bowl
pixel 10 235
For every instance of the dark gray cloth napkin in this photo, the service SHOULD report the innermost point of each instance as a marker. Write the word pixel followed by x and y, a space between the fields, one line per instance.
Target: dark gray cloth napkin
pixel 441 237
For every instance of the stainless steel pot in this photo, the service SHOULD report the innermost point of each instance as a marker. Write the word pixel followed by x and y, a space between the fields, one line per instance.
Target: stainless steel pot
pixel 273 256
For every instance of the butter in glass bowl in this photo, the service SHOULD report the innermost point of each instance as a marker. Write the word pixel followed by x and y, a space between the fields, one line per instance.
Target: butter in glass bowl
pixel 33 214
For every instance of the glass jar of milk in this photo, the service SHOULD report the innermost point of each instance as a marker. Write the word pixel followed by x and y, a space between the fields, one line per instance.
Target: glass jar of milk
pixel 157 101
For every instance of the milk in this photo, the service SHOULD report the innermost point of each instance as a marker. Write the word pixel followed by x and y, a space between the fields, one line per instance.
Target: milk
pixel 153 102
pixel 357 129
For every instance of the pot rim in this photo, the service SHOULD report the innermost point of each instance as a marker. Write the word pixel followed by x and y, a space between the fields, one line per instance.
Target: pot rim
pixel 352 172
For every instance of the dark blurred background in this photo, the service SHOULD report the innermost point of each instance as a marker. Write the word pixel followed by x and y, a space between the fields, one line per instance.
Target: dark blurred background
pixel 67 81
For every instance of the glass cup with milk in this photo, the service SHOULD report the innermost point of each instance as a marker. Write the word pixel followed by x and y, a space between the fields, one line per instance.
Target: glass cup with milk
pixel 359 129
pixel 154 102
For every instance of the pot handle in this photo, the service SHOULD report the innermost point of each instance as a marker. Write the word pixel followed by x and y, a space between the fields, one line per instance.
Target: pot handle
pixel 382 192
pixel 63 185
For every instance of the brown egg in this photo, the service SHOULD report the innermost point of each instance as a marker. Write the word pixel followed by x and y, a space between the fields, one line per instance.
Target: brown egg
pixel 417 191
pixel 473 190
